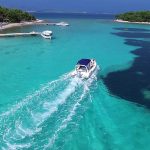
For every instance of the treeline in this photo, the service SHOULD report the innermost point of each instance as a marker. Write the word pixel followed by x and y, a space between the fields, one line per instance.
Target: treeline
pixel 138 16
pixel 14 15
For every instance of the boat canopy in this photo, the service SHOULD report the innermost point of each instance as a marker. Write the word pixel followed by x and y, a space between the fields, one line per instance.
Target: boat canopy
pixel 84 62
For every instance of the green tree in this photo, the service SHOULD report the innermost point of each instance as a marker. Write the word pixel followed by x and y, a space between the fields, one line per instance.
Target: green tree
pixel 138 16
pixel 15 15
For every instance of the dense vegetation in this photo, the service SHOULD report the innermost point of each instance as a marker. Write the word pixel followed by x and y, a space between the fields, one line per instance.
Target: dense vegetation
pixel 14 15
pixel 138 16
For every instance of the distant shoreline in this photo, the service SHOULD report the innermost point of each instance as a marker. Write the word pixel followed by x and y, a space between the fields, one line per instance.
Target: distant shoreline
pixel 12 25
pixel 123 21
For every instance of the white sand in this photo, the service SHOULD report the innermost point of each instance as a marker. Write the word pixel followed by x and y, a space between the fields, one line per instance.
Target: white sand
pixel 11 25
pixel 122 21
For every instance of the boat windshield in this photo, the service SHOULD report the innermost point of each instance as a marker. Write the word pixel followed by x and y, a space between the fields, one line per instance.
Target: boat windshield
pixel 81 68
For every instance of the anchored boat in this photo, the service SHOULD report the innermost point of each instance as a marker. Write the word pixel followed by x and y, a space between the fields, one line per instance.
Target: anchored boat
pixel 62 24
pixel 84 68
pixel 47 34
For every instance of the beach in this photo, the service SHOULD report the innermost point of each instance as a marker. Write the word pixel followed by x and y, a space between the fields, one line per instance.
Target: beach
pixel 12 25
pixel 123 21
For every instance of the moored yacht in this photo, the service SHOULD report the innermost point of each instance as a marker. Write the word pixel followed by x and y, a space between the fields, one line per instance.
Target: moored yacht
pixel 62 24
pixel 47 34
pixel 84 68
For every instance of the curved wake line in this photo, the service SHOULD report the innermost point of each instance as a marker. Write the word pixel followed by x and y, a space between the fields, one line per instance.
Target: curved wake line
pixel 39 107
pixel 52 107
pixel 72 113
pixel 23 102
pixel 19 132
pixel 64 122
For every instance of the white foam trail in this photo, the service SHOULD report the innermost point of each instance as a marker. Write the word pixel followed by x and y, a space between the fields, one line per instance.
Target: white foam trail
pixel 52 107
pixel 14 146
pixel 23 132
pixel 37 93
pixel 45 108
pixel 20 132
pixel 65 122
pixel 17 146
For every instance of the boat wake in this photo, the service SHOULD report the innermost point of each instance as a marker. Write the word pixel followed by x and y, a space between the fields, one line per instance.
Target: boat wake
pixel 38 120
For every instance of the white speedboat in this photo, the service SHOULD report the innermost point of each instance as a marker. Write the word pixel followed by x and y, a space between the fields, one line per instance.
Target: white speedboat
pixel 84 68
pixel 62 24
pixel 47 34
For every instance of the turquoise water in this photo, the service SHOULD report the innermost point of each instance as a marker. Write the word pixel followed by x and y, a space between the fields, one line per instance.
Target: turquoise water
pixel 42 107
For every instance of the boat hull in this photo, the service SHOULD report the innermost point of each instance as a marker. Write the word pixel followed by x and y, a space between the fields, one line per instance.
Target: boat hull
pixel 47 34
pixel 46 37
pixel 84 75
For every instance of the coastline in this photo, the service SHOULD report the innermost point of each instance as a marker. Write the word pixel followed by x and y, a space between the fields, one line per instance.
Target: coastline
pixel 123 21
pixel 11 25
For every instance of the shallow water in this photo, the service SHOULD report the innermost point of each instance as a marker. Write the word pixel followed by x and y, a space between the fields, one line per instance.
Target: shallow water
pixel 41 107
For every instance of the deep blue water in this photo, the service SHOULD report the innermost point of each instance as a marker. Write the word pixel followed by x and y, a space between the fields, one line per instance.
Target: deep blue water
pixel 54 15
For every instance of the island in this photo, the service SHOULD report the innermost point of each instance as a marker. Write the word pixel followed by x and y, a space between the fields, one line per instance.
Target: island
pixel 14 15
pixel 15 18
pixel 142 17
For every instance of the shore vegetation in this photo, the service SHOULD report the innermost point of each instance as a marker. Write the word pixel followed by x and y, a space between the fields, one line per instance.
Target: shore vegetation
pixel 14 15
pixel 137 16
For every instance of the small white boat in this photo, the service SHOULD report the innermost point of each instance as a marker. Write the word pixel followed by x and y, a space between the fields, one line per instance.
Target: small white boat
pixel 33 33
pixel 47 34
pixel 62 24
pixel 84 68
